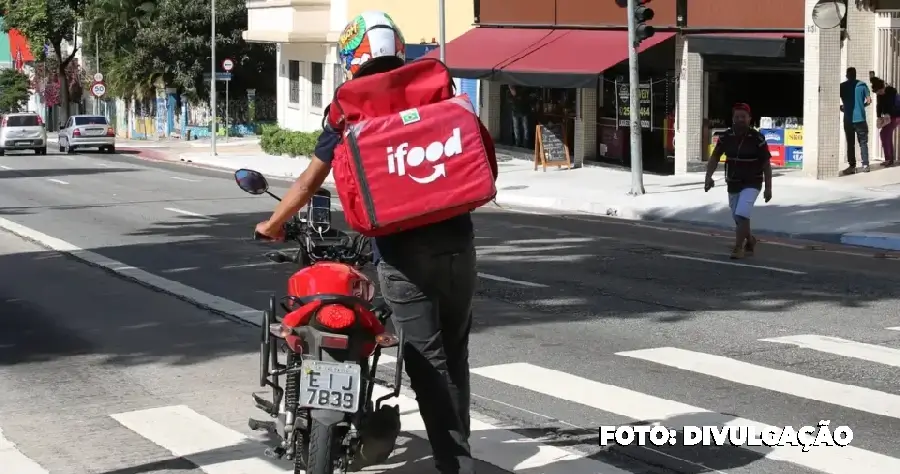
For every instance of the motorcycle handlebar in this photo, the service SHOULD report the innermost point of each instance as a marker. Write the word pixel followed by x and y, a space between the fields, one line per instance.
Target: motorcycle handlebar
pixel 338 246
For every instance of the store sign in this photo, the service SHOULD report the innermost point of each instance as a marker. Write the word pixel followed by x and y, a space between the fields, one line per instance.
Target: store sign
pixel 623 105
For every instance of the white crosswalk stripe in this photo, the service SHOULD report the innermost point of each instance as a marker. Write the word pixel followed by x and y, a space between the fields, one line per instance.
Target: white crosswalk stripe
pixel 217 449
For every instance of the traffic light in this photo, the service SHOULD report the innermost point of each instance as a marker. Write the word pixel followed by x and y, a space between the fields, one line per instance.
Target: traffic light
pixel 642 14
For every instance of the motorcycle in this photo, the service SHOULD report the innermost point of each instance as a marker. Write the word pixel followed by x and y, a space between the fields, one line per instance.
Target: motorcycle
pixel 321 346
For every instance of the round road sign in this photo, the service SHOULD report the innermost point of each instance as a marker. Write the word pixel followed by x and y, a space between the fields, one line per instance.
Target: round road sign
pixel 98 77
pixel 98 89
pixel 227 65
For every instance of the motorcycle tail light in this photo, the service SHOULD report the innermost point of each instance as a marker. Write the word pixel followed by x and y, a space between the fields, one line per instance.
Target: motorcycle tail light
pixel 335 316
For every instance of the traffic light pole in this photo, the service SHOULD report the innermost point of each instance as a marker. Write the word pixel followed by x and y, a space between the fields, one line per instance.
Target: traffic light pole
pixel 637 154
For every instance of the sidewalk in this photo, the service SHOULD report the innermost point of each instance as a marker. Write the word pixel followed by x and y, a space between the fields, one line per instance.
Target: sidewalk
pixel 859 210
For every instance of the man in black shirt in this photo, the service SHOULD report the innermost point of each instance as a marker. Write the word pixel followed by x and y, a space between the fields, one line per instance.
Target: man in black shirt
pixel 428 277
pixel 747 169
pixel 521 107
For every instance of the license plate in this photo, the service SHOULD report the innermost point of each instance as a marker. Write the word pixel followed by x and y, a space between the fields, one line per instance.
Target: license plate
pixel 330 385
pixel 24 142
pixel 94 132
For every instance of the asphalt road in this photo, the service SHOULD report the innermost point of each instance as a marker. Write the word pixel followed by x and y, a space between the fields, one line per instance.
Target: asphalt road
pixel 580 321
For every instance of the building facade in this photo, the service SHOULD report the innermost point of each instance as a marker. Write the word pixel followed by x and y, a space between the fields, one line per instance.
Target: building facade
pixel 306 32
pixel 705 56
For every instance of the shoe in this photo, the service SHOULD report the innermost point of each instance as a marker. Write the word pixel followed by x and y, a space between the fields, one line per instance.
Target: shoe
pixel 849 171
pixel 737 253
pixel 887 164
pixel 866 169
pixel 750 246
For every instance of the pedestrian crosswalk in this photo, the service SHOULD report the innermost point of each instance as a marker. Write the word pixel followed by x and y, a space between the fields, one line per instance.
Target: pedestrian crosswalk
pixel 217 449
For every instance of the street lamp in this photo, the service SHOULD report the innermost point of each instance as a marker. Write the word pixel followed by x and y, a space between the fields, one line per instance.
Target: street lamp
pixel 442 34
pixel 212 79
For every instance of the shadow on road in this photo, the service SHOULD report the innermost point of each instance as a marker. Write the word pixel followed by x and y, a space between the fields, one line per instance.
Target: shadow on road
pixel 50 173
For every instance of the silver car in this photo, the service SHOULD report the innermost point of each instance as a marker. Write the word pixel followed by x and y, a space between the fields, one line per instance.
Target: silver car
pixel 23 131
pixel 87 131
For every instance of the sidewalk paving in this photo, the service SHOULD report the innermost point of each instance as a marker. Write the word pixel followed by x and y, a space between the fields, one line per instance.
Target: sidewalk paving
pixel 861 210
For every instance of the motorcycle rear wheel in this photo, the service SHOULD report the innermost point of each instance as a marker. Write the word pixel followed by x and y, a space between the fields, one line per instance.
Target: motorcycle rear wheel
pixel 322 450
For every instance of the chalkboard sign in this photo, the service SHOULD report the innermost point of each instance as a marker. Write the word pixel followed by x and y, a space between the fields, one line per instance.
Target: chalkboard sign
pixel 550 147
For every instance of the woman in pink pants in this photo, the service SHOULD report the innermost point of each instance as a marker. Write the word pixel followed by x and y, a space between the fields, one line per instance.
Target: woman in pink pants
pixel 888 111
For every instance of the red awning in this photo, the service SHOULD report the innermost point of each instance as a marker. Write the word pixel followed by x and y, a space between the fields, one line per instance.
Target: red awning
pixel 575 58
pixel 480 51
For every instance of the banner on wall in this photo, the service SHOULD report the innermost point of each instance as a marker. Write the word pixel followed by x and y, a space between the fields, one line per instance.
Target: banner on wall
pixel 623 105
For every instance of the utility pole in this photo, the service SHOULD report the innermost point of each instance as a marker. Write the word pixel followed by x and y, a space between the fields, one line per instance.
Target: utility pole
pixel 212 80
pixel 97 46
pixel 638 14
pixel 442 28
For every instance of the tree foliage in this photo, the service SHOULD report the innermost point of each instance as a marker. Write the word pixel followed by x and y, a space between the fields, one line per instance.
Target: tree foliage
pixel 14 91
pixel 145 44
pixel 52 23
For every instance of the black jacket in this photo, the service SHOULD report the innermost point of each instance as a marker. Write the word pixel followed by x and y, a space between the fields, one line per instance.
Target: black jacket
pixel 887 103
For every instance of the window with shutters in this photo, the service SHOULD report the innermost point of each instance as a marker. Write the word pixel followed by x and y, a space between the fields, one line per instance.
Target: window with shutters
pixel 316 79
pixel 294 81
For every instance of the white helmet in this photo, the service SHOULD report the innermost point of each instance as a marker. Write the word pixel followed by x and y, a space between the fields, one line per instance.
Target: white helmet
pixel 370 35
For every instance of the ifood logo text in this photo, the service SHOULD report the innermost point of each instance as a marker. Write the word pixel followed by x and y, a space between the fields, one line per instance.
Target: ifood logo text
pixel 413 157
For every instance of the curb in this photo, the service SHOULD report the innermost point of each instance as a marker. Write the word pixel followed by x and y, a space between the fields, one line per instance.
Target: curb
pixel 878 240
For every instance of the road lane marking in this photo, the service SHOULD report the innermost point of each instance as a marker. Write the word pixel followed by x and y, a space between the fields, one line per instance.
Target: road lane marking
pixel 895 328
pixel 735 264
pixel 216 449
pixel 5 167
pixel 179 178
pixel 850 396
pixel 250 265
pixel 57 181
pixel 842 347
pixel 504 448
pixel 488 276
pixel 186 213
pixel 640 406
pixel 180 290
pixel 14 461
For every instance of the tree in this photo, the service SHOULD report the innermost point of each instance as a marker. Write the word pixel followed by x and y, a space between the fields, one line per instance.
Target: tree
pixel 52 23
pixel 144 43
pixel 14 91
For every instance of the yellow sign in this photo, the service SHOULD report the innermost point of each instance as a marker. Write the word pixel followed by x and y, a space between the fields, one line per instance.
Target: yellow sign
pixel 793 137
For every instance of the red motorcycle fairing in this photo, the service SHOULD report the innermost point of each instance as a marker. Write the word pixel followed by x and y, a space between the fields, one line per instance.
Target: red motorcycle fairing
pixel 332 279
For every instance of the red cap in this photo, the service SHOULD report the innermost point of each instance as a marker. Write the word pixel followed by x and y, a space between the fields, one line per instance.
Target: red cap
pixel 741 106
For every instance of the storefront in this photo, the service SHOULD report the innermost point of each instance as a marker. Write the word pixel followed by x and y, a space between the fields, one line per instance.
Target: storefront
pixel 560 84
pixel 763 70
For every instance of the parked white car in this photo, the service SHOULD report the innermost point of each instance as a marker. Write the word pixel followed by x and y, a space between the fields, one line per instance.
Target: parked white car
pixel 23 131
pixel 87 131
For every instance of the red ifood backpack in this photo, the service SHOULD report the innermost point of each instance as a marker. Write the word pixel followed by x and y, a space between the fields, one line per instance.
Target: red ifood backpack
pixel 412 154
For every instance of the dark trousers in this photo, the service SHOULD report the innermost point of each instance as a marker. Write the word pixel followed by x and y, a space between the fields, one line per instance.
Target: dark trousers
pixel 854 131
pixel 521 131
pixel 429 283
pixel 887 139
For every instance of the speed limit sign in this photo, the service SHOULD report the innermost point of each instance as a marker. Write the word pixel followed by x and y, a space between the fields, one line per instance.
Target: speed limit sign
pixel 227 65
pixel 98 89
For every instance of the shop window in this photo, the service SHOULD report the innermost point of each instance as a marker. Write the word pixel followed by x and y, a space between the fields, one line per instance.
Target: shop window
pixel 316 77
pixel 294 81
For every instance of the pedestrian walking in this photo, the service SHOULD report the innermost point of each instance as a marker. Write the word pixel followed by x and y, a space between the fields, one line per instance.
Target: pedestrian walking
pixel 888 111
pixel 747 170
pixel 855 98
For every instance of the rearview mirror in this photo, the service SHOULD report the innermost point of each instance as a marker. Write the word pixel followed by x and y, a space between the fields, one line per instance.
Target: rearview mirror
pixel 250 181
